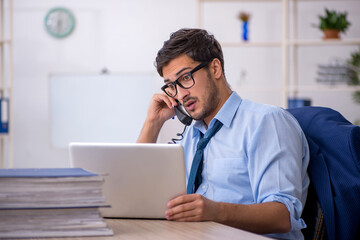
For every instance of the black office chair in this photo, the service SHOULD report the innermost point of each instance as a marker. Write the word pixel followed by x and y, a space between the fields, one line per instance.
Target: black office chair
pixel 314 217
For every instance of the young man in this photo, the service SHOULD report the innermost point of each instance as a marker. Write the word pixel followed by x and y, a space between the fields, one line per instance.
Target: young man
pixel 253 157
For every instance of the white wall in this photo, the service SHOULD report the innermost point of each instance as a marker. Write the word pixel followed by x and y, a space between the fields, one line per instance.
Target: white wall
pixel 124 36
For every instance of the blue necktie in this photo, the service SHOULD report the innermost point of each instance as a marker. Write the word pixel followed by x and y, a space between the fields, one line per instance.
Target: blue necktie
pixel 195 178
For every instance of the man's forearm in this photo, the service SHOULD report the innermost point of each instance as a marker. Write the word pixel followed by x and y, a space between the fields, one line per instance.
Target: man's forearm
pixel 150 132
pixel 263 218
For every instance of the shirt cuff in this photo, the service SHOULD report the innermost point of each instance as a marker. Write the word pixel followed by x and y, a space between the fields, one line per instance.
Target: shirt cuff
pixel 294 207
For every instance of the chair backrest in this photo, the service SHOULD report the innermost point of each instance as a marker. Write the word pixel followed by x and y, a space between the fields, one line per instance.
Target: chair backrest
pixel 334 168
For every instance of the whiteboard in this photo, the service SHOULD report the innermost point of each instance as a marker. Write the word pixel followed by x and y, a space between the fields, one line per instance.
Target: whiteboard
pixel 98 108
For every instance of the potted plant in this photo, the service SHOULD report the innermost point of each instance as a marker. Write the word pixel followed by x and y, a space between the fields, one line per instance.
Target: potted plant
pixel 354 64
pixel 244 18
pixel 333 23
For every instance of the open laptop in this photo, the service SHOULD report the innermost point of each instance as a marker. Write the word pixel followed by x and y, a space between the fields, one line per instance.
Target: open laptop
pixel 140 179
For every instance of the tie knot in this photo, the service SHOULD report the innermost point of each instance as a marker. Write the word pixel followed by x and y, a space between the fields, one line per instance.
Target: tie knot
pixel 214 129
pixel 209 134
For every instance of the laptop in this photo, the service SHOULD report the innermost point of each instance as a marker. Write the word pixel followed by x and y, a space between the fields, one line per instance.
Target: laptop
pixel 140 179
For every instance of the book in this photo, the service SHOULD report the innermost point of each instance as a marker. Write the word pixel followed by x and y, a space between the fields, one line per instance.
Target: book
pixel 44 172
pixel 75 222
pixel 51 202
pixel 50 188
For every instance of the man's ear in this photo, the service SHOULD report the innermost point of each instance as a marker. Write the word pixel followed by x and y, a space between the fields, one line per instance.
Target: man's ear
pixel 216 68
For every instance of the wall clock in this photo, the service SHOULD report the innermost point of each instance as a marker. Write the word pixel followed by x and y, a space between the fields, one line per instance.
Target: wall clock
pixel 59 22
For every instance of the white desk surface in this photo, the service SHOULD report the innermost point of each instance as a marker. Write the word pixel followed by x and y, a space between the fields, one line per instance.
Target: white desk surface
pixel 133 229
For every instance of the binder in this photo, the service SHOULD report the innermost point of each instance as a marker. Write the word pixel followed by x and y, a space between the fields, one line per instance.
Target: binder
pixel 4 115
pixel 298 102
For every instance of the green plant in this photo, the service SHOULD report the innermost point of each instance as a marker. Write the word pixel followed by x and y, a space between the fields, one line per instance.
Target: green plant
pixel 356 96
pixel 243 16
pixel 354 63
pixel 354 66
pixel 334 20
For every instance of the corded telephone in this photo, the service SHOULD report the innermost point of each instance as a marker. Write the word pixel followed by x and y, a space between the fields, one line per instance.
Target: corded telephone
pixel 181 114
pixel 184 118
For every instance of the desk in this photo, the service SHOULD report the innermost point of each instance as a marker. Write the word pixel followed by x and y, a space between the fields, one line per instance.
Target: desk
pixel 132 229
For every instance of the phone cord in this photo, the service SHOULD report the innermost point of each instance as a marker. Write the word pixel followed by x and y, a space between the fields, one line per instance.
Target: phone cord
pixel 180 135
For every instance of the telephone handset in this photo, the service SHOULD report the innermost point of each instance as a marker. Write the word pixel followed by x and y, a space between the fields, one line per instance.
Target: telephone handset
pixel 183 118
pixel 182 115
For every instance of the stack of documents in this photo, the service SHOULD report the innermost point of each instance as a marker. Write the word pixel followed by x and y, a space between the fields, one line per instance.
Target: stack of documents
pixel 51 202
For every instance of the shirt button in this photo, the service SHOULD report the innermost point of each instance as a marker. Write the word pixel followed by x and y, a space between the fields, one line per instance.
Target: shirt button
pixel 203 187
pixel 203 161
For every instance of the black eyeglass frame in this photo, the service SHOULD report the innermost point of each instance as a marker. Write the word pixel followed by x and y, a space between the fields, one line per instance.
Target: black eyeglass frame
pixel 176 82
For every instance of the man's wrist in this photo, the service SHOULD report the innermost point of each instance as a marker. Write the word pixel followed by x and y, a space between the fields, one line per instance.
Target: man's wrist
pixel 150 131
pixel 221 213
pixel 154 123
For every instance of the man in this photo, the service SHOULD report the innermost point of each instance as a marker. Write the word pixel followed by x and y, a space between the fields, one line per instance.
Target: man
pixel 252 173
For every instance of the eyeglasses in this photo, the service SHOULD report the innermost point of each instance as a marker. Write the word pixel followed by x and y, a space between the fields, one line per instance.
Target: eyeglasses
pixel 185 81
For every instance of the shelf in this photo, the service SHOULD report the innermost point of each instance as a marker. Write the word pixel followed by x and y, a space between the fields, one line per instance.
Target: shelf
pixel 328 42
pixel 305 88
pixel 8 89
pixel 251 44
pixel 6 41
pixel 325 88
pixel 259 89
pixel 322 0
pixel 209 1
pixel 240 0
pixel 304 42
pixel 319 42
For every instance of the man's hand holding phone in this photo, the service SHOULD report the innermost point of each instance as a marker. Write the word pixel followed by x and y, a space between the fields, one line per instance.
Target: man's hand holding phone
pixel 160 109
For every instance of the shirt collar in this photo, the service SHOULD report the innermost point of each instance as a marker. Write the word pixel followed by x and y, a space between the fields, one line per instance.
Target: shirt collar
pixel 225 115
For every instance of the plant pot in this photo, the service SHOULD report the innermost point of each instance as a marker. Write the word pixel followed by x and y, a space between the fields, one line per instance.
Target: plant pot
pixel 331 34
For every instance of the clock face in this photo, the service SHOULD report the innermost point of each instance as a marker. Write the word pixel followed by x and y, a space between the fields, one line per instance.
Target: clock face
pixel 59 22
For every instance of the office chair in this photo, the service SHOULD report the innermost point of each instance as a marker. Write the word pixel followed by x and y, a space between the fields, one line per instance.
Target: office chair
pixel 332 210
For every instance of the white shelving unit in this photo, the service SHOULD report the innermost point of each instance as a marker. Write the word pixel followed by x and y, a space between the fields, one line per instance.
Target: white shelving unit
pixel 6 77
pixel 290 83
pixel 295 43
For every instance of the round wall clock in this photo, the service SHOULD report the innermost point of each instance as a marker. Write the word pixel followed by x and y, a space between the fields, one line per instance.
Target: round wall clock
pixel 59 22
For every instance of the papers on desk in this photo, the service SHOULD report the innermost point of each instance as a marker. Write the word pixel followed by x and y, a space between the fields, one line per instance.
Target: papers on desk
pixel 51 203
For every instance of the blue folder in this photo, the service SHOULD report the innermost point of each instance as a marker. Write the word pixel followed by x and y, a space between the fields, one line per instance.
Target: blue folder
pixel 4 115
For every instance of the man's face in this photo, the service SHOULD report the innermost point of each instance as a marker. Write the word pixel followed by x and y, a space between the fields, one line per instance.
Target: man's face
pixel 201 100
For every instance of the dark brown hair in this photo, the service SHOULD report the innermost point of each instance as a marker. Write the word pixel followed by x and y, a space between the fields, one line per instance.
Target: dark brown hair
pixel 196 43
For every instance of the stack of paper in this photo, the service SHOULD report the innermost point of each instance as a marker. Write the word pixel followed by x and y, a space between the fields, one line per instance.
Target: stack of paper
pixel 55 202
